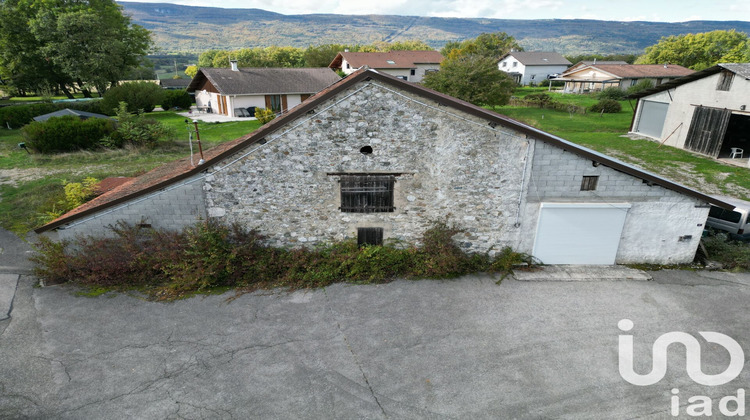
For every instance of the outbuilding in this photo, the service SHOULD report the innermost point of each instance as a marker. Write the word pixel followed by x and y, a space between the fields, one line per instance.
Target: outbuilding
pixel 380 159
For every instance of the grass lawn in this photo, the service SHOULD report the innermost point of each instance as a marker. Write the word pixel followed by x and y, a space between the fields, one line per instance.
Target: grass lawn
pixel 605 134
pixel 31 185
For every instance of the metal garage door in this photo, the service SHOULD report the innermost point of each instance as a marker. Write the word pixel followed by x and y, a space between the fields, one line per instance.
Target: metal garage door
pixel 580 233
pixel 651 121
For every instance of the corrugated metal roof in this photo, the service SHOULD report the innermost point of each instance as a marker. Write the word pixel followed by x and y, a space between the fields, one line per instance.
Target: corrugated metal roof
pixel 538 58
pixel 260 81
pixel 387 60
pixel 180 170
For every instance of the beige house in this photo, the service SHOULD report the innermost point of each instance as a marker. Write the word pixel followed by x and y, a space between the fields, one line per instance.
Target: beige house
pixel 595 77
pixel 406 65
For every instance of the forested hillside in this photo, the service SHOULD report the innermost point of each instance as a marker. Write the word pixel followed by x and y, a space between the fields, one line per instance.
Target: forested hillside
pixel 195 29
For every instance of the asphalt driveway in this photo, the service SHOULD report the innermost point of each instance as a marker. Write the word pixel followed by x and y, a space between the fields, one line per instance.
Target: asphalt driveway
pixel 465 348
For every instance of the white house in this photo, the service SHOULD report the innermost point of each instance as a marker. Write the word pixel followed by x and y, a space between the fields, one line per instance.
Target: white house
pixel 532 66
pixel 706 112
pixel 377 158
pixel 227 90
pixel 406 65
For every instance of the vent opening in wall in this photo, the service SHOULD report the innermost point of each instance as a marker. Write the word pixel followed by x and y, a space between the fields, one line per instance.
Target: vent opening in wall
pixel 367 150
pixel 369 236
pixel 588 183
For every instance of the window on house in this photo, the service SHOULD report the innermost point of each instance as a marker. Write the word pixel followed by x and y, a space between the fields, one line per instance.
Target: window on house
pixel 369 236
pixel 725 80
pixel 402 77
pixel 273 102
pixel 504 64
pixel 413 72
pixel 633 82
pixel 348 66
pixel 367 193
pixel 391 62
pixel 588 183
pixel 515 64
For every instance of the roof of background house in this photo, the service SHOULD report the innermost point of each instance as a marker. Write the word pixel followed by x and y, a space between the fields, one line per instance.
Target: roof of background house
pixel 636 71
pixel 174 83
pixel 740 69
pixel 180 170
pixel 585 63
pixel 265 80
pixel 69 112
pixel 538 58
pixel 387 60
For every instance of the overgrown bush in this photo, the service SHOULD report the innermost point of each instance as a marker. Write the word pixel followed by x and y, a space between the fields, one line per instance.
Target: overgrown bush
pixel 264 115
pixel 140 96
pixel 732 254
pixel 607 106
pixel 554 83
pixel 66 134
pixel 176 99
pixel 541 99
pixel 210 255
pixel 136 130
pixel 611 92
pixel 642 85
pixel 16 116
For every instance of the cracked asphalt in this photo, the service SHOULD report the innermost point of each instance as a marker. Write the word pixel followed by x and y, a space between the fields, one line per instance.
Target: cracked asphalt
pixel 465 348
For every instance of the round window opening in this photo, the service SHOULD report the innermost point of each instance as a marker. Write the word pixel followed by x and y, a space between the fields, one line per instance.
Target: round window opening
pixel 366 150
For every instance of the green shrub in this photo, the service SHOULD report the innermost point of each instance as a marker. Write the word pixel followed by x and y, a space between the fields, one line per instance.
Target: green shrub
pixel 555 83
pixel 66 134
pixel 264 115
pixel 607 106
pixel 176 99
pixel 140 96
pixel 210 255
pixel 611 92
pixel 136 130
pixel 16 116
pixel 731 254
pixel 542 100
pixel 642 85
pixel 77 193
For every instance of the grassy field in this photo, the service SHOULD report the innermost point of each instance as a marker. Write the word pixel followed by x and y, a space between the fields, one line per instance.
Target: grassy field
pixel 606 133
pixel 31 185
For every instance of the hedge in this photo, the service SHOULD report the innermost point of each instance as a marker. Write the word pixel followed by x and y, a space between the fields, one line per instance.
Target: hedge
pixel 16 116
pixel 66 134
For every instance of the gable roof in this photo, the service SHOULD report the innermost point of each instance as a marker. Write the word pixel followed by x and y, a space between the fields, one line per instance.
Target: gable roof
pixel 264 80
pixel 538 58
pixel 586 63
pixel 174 83
pixel 740 69
pixel 69 112
pixel 387 60
pixel 635 71
pixel 180 170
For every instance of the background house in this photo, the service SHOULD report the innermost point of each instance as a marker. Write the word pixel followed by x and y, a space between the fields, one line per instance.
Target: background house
pixel 595 77
pixel 532 66
pixel 378 158
pixel 222 90
pixel 406 65
pixel 706 112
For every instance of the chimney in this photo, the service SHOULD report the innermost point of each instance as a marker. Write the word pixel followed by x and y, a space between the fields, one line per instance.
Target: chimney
pixel 234 65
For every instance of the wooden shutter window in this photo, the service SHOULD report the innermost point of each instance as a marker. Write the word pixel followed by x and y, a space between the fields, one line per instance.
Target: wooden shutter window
pixel 588 183
pixel 367 193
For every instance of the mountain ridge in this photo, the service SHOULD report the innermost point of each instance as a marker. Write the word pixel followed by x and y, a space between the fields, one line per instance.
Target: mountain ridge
pixel 178 28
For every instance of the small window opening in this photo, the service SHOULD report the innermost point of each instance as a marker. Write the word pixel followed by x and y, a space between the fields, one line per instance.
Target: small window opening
pixel 367 193
pixel 366 150
pixel 413 72
pixel 588 183
pixel 369 236
pixel 725 81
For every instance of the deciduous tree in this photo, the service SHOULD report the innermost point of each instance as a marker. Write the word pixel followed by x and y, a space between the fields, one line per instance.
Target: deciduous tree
pixel 473 78
pixel 699 51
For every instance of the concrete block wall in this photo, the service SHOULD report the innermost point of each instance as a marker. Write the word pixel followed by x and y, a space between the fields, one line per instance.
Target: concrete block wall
pixel 173 208
pixel 662 226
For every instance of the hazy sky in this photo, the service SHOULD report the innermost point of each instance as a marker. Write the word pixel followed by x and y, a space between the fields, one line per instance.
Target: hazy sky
pixel 650 10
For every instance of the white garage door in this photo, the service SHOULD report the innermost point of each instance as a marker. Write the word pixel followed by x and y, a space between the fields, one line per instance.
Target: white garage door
pixel 579 233
pixel 652 118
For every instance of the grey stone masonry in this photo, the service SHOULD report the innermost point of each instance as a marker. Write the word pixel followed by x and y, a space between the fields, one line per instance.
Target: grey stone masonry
pixel 173 208
pixel 447 165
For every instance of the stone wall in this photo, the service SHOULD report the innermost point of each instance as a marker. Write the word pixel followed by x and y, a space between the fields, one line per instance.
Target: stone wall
pixel 448 165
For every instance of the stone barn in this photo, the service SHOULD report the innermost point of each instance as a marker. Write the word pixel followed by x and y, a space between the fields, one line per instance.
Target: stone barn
pixel 377 158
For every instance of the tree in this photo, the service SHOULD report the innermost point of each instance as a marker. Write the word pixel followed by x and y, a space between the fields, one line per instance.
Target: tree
pixel 473 78
pixel 191 71
pixel 87 43
pixel 492 45
pixel 139 96
pixel 699 51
